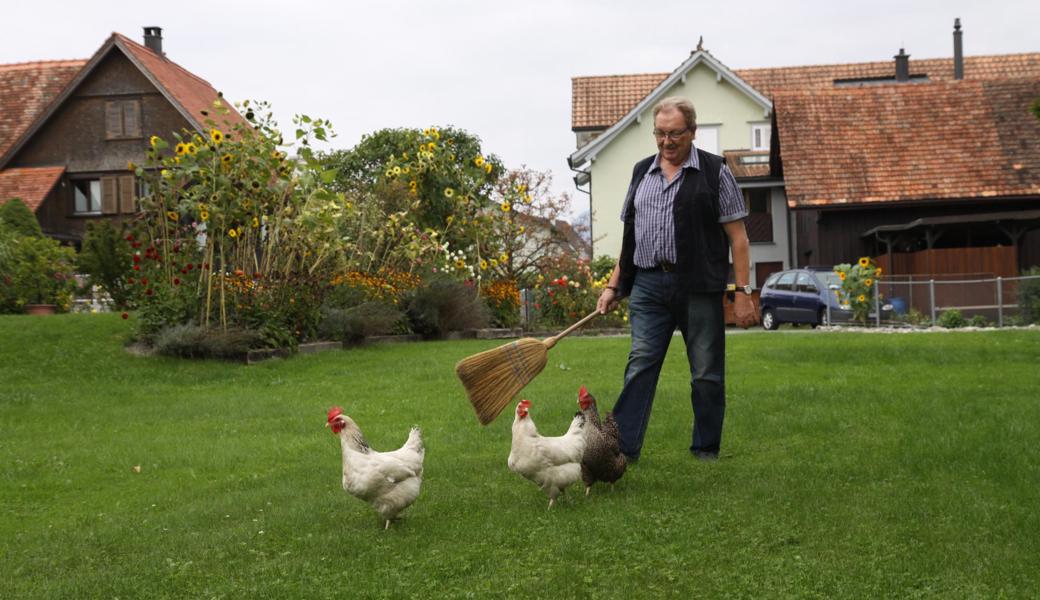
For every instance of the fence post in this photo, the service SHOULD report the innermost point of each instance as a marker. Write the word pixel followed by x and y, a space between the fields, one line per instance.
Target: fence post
pixel 877 306
pixel 931 298
pixel 1000 301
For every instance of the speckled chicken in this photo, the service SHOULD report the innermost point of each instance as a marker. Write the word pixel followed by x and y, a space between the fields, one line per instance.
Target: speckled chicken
pixel 602 460
pixel 389 481
pixel 552 463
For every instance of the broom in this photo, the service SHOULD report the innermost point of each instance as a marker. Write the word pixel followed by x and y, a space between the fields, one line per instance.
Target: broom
pixel 494 376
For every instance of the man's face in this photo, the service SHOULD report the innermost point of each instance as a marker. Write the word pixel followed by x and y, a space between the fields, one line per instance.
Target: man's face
pixel 673 148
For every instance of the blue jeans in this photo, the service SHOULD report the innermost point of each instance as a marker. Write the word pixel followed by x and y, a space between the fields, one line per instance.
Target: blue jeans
pixel 656 308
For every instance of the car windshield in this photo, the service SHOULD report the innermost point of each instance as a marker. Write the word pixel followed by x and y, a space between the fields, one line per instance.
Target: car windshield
pixel 828 278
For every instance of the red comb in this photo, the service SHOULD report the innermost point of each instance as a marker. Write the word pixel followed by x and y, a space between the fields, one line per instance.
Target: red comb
pixel 583 391
pixel 525 402
pixel 334 412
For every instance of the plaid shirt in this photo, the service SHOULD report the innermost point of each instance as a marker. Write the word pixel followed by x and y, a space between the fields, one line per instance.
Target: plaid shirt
pixel 655 227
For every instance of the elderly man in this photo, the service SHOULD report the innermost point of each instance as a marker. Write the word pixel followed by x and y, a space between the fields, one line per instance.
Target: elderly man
pixel 683 215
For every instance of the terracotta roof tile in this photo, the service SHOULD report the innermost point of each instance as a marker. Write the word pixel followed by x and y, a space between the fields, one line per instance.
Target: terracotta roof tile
pixel 599 102
pixel 192 92
pixel 30 184
pixel 930 141
pixel 25 91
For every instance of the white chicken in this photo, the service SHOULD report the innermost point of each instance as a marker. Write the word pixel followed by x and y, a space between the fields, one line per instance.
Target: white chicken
pixel 552 463
pixel 389 481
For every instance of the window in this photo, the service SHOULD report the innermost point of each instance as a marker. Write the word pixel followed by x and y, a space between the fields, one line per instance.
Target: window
pixel 88 196
pixel 107 195
pixel 786 281
pixel 760 136
pixel 122 119
pixel 759 222
pixel 757 200
pixel 806 283
pixel 707 138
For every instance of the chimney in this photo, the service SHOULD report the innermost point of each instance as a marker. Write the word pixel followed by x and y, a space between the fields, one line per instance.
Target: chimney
pixel 153 39
pixel 958 50
pixel 902 66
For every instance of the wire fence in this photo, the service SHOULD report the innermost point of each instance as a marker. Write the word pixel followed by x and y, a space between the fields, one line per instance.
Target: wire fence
pixel 921 300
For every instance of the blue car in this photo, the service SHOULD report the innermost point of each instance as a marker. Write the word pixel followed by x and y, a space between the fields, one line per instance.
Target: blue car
pixel 803 296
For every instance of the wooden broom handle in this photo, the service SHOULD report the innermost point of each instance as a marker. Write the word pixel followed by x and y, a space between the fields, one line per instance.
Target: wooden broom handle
pixel 550 342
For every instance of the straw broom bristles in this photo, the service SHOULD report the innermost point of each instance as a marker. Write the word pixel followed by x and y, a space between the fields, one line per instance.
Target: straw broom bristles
pixel 493 377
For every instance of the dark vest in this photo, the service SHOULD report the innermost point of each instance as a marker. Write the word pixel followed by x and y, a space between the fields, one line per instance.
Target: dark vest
pixel 701 244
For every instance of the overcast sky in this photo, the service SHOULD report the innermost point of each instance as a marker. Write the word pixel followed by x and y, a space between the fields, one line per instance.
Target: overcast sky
pixel 500 70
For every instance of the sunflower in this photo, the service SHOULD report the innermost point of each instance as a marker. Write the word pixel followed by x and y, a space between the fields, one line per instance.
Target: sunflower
pixel 459 264
pixel 226 159
pixel 203 215
pixel 154 141
pixel 877 272
pixel 191 148
pixel 864 262
pixel 487 167
pixel 180 148
pixel 479 161
pixel 232 233
pixel 841 275
pixel 861 298
pixel 397 170
pixel 166 174
pixel 503 257
pixel 505 207
pixel 868 282
pixel 522 229
pixel 254 184
pixel 256 222
pixel 494 263
pixel 130 166
pixel 483 265
pixel 172 215
pixel 448 192
pixel 216 135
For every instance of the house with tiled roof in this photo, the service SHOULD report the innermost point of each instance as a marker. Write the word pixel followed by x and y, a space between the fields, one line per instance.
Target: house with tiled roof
pixel 824 140
pixel 68 129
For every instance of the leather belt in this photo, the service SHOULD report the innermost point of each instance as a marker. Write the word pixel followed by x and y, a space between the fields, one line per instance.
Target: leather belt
pixel 664 266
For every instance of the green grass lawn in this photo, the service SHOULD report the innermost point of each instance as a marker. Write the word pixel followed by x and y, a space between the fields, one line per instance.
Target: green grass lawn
pixel 854 466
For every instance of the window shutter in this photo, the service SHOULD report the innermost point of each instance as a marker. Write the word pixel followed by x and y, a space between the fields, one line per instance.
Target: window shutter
pixel 126 194
pixel 132 118
pixel 113 120
pixel 109 195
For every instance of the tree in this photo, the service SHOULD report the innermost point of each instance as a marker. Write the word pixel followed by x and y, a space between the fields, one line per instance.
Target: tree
pixel 19 219
pixel 533 229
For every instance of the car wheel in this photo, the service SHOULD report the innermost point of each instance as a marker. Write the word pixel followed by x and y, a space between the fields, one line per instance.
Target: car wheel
pixel 821 318
pixel 769 320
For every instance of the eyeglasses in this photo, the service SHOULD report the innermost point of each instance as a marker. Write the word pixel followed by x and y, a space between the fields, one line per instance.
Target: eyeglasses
pixel 671 135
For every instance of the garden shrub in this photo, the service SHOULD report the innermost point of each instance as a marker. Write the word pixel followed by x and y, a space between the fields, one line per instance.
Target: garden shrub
pixel 354 324
pixel 446 305
pixel 39 270
pixel 569 290
pixel 916 318
pixel 503 299
pixel 19 218
pixel 1029 296
pixel 106 258
pixel 193 341
pixel 979 321
pixel 951 319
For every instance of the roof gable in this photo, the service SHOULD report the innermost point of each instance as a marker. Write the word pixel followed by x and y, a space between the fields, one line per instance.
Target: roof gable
pixel 26 90
pixel 910 142
pixel 186 92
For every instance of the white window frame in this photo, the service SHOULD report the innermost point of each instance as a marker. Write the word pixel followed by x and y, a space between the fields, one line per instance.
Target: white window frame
pixel 765 130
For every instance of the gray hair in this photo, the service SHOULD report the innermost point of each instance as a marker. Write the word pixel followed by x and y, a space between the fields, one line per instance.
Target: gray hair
pixel 680 104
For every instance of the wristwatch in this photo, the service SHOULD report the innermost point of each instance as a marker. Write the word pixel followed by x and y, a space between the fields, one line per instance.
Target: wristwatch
pixel 747 289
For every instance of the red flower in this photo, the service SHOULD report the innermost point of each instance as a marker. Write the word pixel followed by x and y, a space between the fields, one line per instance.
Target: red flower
pixel 130 237
pixel 537 305
pixel 144 281
pixel 137 258
pixel 184 271
pixel 137 267
pixel 552 293
pixel 176 281
pixel 189 266
pixel 148 292
pixel 125 316
pixel 130 280
pixel 135 245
